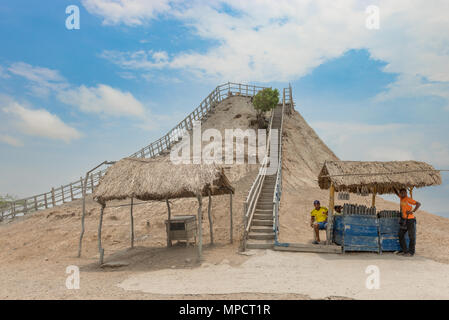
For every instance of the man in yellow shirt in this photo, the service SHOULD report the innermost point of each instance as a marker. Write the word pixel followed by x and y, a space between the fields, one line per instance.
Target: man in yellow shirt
pixel 318 220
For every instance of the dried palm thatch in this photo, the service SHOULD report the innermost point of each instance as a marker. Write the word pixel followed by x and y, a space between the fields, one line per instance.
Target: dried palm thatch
pixel 383 177
pixel 160 179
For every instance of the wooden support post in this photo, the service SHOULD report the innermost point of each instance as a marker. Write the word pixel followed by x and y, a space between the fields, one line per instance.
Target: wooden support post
pixel 411 192
pixel 62 193
pixel 53 202
pixel 13 209
pixel 209 214
pixel 231 223
pixel 169 244
pixel 373 202
pixel 100 249
pixel 132 222
pixel 25 208
pixel 35 203
pixel 45 201
pixel 200 227
pixel 330 214
pixel 92 183
pixel 83 189
pixel 71 192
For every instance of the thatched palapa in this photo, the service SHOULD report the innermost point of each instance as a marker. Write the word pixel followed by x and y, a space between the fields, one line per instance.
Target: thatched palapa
pixel 377 176
pixel 160 179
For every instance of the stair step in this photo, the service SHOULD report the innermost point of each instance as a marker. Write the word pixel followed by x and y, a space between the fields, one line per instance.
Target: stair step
pixel 261 236
pixel 259 244
pixel 261 229
pixel 264 211
pixel 263 216
pixel 267 205
pixel 262 223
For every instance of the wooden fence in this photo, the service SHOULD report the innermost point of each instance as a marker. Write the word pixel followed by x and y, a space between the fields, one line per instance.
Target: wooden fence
pixel 72 191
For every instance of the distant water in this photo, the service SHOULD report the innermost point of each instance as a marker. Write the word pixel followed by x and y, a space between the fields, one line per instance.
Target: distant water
pixel 442 214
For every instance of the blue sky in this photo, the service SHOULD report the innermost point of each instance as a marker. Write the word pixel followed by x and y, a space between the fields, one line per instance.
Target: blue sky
pixel 72 98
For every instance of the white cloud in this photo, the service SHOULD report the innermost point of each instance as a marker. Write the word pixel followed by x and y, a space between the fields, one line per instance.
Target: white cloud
pixel 137 60
pixel 284 40
pixel 129 12
pixel 102 99
pixel 3 73
pixel 10 140
pixel 41 123
pixel 43 80
pixel 384 142
pixel 343 132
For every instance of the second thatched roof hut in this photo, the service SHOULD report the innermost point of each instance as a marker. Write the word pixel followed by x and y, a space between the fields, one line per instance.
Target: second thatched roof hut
pixel 377 176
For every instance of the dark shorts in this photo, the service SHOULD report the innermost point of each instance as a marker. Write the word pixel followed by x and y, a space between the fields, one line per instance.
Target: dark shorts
pixel 322 225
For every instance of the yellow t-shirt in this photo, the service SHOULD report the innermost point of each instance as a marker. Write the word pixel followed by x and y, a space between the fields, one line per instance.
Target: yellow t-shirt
pixel 320 215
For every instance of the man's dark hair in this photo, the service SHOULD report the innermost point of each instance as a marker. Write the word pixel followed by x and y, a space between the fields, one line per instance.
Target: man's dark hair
pixel 402 189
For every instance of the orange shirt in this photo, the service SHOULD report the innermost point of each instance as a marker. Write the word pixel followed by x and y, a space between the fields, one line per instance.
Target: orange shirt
pixel 406 206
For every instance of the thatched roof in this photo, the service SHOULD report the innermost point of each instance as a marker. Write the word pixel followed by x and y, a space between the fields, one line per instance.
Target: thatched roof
pixel 359 176
pixel 159 179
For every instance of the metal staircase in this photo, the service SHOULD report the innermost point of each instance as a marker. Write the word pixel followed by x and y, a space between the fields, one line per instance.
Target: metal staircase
pixel 262 204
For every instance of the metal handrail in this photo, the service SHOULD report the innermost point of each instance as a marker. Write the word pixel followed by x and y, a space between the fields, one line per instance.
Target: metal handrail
pixel 254 192
pixel 278 187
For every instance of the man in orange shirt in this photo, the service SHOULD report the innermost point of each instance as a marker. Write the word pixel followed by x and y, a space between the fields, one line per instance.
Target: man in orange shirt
pixel 408 222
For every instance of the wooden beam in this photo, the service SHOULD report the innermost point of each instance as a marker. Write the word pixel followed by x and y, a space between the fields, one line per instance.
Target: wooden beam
pixel 330 214
pixel 83 190
pixel 169 244
pixel 71 192
pixel 373 202
pixel 299 247
pixel 411 192
pixel 132 222
pixel 45 200
pixel 53 197
pixel 100 249
pixel 230 212
pixel 200 227
pixel 209 215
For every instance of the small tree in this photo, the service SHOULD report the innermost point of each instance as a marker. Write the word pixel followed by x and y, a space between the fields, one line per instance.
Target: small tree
pixel 264 101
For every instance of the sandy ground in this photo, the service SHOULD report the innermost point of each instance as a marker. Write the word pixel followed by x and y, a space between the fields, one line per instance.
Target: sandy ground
pixel 36 250
pixel 314 275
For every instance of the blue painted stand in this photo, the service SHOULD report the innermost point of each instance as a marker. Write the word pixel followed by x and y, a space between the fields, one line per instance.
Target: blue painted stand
pixel 360 233
pixel 367 233
pixel 389 238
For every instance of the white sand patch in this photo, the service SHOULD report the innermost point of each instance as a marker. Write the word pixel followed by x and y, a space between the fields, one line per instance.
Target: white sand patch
pixel 311 274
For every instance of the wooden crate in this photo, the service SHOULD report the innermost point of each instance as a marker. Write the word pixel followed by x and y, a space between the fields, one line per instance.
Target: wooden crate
pixel 182 228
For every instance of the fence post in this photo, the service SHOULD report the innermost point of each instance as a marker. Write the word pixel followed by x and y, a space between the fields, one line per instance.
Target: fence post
pixel 35 203
pixel 92 182
pixel 71 191
pixel 13 209
pixel 25 208
pixel 45 200
pixel 62 193
pixel 53 197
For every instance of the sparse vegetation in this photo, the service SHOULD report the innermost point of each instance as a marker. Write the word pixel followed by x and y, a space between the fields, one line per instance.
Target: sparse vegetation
pixel 5 199
pixel 264 101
